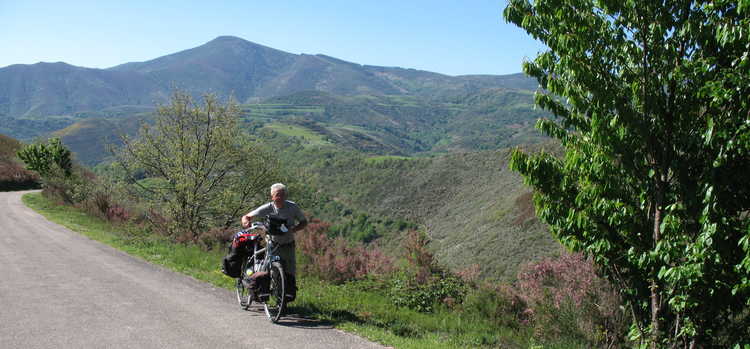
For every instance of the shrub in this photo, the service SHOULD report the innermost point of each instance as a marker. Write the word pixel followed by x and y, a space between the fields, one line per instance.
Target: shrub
pixel 499 304
pixel 567 299
pixel 470 274
pixel 338 260
pixel 424 296
pixel 14 177
pixel 70 189
pixel 421 262
pixel 47 159
pixel 215 236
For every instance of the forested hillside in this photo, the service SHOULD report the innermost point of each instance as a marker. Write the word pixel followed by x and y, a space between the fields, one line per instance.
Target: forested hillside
pixel 378 125
pixel 474 209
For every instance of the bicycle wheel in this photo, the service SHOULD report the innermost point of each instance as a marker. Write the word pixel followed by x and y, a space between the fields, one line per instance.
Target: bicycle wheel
pixel 275 304
pixel 244 297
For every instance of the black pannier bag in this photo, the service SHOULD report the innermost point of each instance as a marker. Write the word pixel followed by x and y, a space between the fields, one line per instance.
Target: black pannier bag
pixel 241 247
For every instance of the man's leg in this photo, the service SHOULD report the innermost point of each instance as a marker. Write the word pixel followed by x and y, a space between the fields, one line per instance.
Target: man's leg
pixel 288 257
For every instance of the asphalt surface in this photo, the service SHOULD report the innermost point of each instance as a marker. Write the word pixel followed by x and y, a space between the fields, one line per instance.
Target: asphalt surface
pixel 59 289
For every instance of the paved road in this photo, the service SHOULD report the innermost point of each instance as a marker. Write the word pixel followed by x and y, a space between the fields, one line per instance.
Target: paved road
pixel 61 290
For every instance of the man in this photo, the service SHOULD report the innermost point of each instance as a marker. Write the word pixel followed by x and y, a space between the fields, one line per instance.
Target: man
pixel 295 221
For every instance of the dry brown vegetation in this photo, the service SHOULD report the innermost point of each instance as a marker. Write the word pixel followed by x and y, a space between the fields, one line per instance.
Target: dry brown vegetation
pixel 13 176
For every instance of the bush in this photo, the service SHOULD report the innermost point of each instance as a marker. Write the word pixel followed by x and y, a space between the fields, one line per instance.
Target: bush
pixel 47 159
pixel 421 262
pixel 14 177
pixel 567 299
pixel 338 260
pixel 72 189
pixel 499 304
pixel 425 296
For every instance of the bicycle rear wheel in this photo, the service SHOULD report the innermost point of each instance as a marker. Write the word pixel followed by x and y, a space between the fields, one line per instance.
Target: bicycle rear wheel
pixel 275 304
pixel 244 296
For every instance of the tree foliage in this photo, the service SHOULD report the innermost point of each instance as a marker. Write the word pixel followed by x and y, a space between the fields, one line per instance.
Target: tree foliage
pixel 43 157
pixel 651 106
pixel 202 169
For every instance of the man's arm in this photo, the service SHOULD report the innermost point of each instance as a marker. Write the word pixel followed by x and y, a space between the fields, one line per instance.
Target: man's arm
pixel 247 219
pixel 301 225
pixel 300 216
pixel 258 212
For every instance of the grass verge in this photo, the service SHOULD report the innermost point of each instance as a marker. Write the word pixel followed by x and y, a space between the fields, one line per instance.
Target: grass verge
pixel 359 307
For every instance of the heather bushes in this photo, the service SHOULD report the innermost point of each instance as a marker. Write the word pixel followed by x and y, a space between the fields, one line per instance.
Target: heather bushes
pixel 14 177
pixel 338 260
pixel 12 174
pixel 502 305
pixel 565 298
pixel 560 299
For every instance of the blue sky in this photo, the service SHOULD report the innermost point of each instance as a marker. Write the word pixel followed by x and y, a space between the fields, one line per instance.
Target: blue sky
pixel 450 37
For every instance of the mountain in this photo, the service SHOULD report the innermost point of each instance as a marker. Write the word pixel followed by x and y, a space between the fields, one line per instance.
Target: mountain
pixel 32 96
pixel 53 89
pixel 232 65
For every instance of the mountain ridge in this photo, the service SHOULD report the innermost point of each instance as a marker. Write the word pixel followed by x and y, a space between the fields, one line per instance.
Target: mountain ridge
pixel 226 66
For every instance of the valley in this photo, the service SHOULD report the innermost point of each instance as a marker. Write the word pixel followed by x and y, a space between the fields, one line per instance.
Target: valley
pixel 377 150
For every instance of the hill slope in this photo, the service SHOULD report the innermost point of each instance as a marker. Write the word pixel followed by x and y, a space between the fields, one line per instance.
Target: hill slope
pixel 475 210
pixel 225 66
pixel 375 124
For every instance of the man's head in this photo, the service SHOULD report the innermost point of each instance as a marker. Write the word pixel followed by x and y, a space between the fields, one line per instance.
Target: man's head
pixel 278 194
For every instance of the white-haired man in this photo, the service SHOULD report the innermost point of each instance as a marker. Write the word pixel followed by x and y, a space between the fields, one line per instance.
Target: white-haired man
pixel 295 219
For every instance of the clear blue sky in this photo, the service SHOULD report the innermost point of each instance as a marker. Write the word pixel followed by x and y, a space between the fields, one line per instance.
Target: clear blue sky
pixel 446 36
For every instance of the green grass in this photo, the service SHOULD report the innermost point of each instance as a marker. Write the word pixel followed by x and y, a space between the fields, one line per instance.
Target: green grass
pixel 187 259
pixel 360 307
pixel 311 138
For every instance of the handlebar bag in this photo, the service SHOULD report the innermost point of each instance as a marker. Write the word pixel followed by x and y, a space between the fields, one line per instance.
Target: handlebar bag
pixel 274 225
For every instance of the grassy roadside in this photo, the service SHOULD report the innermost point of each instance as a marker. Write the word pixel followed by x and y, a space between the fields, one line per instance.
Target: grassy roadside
pixel 355 307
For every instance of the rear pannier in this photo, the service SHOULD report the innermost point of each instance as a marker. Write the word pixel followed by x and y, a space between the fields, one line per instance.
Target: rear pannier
pixel 242 246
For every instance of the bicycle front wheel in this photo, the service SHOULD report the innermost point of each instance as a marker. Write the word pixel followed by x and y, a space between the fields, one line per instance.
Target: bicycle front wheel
pixel 275 304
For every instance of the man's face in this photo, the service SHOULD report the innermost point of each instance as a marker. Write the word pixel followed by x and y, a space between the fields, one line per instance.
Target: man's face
pixel 278 196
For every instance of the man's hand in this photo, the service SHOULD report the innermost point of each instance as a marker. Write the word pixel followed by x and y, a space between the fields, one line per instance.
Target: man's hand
pixel 246 219
pixel 299 226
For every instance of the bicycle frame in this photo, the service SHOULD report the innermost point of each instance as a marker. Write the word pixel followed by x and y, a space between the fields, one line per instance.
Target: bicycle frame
pixel 269 257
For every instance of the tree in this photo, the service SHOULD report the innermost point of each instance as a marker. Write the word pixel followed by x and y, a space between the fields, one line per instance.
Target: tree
pixel 651 107
pixel 202 169
pixel 44 158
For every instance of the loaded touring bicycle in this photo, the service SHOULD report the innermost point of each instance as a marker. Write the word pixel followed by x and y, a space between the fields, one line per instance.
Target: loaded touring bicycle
pixel 258 269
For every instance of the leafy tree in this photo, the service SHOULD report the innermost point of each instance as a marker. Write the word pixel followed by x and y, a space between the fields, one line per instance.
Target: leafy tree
pixel 651 107
pixel 42 157
pixel 203 169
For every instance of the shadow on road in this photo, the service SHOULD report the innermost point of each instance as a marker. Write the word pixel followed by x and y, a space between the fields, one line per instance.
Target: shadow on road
pixel 295 318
